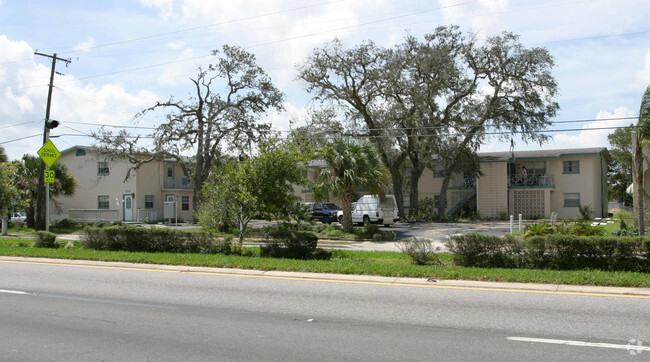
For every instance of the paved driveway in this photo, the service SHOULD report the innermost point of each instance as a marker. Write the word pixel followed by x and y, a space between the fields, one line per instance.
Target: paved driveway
pixel 437 232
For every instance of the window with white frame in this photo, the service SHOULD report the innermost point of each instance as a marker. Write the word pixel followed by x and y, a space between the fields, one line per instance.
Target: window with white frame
pixel 102 168
pixel 102 202
pixel 571 167
pixel 571 199
pixel 148 201
pixel 436 201
pixel 438 171
pixel 185 202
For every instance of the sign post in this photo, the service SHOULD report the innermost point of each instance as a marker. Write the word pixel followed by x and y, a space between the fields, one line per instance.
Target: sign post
pixel 49 154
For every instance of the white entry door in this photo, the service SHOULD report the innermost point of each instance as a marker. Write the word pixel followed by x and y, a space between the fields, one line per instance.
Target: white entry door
pixel 128 207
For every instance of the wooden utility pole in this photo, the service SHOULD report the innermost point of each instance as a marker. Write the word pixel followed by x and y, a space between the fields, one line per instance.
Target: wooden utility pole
pixel 43 192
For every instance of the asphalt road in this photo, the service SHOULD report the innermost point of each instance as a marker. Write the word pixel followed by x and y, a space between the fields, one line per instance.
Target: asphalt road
pixel 73 312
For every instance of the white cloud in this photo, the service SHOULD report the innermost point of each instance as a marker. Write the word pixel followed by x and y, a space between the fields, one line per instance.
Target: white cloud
pixel 591 135
pixel 177 45
pixel 642 77
pixel 23 98
pixel 86 45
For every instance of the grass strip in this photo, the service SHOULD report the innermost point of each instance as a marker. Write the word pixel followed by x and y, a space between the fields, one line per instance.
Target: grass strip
pixel 391 264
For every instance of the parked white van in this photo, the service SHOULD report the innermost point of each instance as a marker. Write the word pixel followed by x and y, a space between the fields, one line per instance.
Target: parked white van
pixel 372 209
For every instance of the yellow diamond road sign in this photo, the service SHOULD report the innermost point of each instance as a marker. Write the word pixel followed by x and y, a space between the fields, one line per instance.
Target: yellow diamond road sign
pixel 49 153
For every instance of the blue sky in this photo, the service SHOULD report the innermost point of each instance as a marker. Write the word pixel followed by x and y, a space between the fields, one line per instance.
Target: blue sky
pixel 126 55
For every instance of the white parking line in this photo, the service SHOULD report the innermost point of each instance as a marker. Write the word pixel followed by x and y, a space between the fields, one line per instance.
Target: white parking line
pixel 629 347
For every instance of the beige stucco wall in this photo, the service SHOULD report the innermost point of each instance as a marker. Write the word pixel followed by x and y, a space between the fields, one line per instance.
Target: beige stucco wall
pixel 586 183
pixel 493 189
pixel 90 185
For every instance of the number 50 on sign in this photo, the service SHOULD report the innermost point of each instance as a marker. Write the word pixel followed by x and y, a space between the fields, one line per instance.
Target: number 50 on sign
pixel 49 176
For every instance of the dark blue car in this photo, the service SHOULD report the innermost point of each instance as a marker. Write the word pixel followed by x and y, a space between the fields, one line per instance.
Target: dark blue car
pixel 324 212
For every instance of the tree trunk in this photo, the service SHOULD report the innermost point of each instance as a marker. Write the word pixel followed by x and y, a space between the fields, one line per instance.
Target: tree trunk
pixel 443 195
pixel 397 189
pixel 414 194
pixel 638 185
pixel 346 205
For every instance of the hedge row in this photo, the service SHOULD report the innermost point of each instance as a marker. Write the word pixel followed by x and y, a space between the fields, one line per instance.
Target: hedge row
pixel 558 252
pixel 139 239
pixel 287 243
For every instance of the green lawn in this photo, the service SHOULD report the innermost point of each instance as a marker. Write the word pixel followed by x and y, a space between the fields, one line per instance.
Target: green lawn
pixel 392 264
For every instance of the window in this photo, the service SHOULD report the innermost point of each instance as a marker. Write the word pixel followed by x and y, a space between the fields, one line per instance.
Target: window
pixel 185 202
pixel 148 201
pixel 184 181
pixel 102 202
pixel 436 201
pixel 80 152
pixel 572 200
pixel 170 171
pixel 102 169
pixel 438 171
pixel 571 167
pixel 535 168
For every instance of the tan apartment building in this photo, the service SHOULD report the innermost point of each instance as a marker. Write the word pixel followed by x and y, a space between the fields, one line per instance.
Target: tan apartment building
pixel 532 183
pixel 157 190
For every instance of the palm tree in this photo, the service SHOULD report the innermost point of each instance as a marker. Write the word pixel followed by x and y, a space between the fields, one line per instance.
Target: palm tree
pixel 350 166
pixel 65 184
pixel 641 139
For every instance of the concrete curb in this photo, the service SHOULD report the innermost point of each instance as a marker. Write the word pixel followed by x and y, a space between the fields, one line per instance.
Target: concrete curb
pixel 452 284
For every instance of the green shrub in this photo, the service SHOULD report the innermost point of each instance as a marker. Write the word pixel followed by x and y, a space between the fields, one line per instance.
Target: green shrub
pixel 45 239
pixel 538 229
pixel 556 251
pixel 486 251
pixel 370 230
pixel 585 212
pixel 287 243
pixel 140 239
pixel 421 251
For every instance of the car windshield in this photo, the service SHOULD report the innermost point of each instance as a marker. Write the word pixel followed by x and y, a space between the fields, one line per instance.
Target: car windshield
pixel 331 207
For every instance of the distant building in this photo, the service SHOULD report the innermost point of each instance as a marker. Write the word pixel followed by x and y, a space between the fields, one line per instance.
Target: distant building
pixel 554 181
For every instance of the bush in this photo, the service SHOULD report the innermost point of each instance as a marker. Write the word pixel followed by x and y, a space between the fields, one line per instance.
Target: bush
pixel 421 251
pixel 45 239
pixel 139 239
pixel 557 252
pixel 585 212
pixel 486 251
pixel 370 230
pixel 287 243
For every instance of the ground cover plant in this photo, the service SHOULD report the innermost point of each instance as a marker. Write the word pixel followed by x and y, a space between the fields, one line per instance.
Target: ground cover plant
pixel 391 264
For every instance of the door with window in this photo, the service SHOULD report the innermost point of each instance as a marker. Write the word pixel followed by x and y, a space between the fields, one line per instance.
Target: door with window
pixel 128 207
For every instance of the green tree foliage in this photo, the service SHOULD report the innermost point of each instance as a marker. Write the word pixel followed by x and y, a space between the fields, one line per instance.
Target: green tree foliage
pixel 350 166
pixel 230 96
pixel 8 190
pixel 446 87
pixel 641 138
pixel 27 174
pixel 3 155
pixel 619 173
pixel 259 186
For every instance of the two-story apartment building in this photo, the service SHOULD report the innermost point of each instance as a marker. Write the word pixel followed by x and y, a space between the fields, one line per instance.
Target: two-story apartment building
pixel 531 183
pixel 157 190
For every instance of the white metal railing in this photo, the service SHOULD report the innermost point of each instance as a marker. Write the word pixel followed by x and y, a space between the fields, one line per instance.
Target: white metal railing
pixel 531 180
pixel 146 215
pixel 94 214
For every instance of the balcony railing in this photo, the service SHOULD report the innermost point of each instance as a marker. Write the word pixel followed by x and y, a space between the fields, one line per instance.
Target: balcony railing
pixel 178 184
pixel 531 180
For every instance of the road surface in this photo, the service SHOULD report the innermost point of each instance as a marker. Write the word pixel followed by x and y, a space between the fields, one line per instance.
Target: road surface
pixel 51 311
